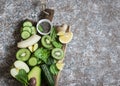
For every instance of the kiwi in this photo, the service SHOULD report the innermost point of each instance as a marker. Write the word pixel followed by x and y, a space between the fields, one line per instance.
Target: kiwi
pixel 46 41
pixel 23 54
pixel 57 53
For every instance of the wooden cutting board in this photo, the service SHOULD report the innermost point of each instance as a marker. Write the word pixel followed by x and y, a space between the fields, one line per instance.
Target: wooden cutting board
pixel 49 14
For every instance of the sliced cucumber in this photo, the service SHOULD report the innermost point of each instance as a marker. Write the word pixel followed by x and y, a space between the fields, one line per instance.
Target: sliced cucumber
pixel 32 61
pixel 33 30
pixel 27 23
pixel 27 29
pixel 25 34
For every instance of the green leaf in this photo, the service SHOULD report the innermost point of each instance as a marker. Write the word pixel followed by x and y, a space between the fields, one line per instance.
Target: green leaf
pixel 42 54
pixel 40 28
pixel 53 34
pixel 22 77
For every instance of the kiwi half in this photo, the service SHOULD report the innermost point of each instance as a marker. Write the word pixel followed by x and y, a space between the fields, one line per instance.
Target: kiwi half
pixel 57 53
pixel 23 54
pixel 46 41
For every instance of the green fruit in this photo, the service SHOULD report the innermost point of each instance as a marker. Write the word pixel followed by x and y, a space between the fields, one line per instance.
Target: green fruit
pixel 35 73
pixel 46 41
pixel 57 53
pixel 25 34
pixel 21 65
pixel 14 72
pixel 23 54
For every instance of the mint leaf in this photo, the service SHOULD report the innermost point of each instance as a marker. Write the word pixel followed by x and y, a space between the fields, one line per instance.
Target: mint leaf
pixel 22 77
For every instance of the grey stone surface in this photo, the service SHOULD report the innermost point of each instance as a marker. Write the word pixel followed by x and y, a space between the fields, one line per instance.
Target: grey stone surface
pixel 92 57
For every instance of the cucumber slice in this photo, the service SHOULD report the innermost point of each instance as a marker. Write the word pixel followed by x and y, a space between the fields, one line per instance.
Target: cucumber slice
pixel 33 30
pixel 27 23
pixel 32 61
pixel 27 29
pixel 25 34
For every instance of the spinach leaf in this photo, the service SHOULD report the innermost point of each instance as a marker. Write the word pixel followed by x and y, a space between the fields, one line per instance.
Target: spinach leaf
pixel 22 77
pixel 42 54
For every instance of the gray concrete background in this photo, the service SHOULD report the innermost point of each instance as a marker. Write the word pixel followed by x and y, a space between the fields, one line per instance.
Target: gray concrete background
pixel 92 57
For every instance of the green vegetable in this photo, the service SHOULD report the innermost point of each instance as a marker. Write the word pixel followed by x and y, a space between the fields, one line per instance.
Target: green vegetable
pixel 27 23
pixel 33 30
pixel 53 34
pixel 53 69
pixel 57 44
pixel 25 34
pixel 22 77
pixel 42 54
pixel 27 29
pixel 32 61
pixel 50 61
pixel 48 75
pixel 40 28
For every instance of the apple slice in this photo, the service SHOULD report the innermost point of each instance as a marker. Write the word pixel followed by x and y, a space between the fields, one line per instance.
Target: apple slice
pixel 14 72
pixel 21 65
pixel 34 47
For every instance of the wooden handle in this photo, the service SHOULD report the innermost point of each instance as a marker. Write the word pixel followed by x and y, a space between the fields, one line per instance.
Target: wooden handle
pixel 47 14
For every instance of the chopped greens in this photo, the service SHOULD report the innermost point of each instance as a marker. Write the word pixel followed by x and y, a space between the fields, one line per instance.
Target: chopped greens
pixel 42 54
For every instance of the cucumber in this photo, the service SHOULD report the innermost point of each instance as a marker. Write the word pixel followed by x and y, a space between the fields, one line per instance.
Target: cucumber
pixel 27 29
pixel 33 30
pixel 32 61
pixel 27 23
pixel 25 34
pixel 50 61
pixel 48 75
